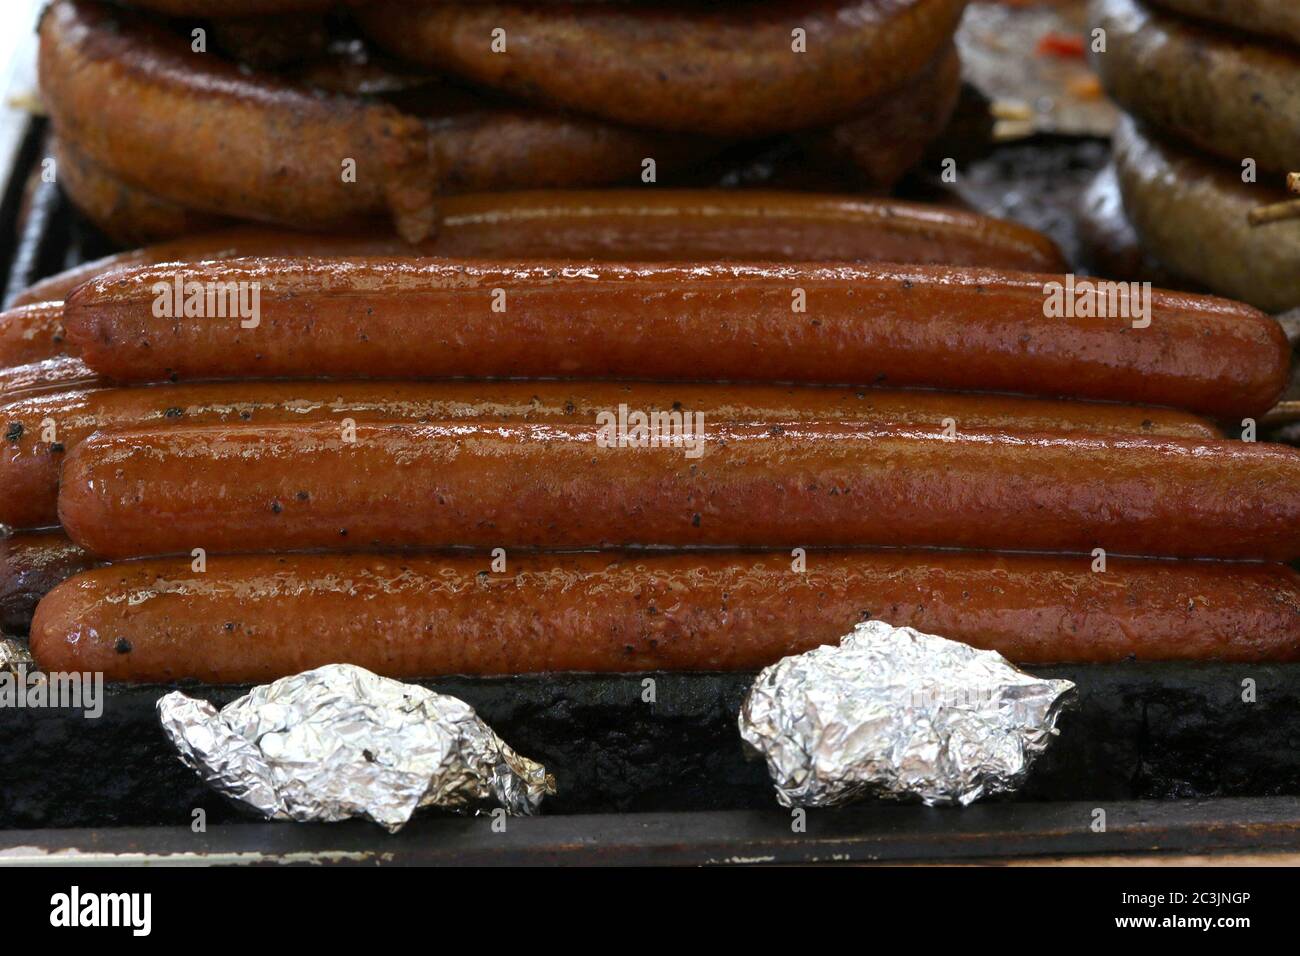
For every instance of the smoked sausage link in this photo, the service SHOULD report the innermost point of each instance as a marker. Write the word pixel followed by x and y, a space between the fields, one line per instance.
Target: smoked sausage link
pixel 725 71
pixel 256 618
pixel 966 329
pixel 32 452
pixel 556 485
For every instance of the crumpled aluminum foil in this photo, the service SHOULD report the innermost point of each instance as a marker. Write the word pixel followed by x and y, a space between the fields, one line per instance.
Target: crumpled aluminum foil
pixel 891 712
pixel 339 742
pixel 15 657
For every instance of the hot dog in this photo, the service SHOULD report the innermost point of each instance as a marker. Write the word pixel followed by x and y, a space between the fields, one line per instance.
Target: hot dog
pixel 885 324
pixel 1233 97
pixel 48 375
pixel 40 429
pixel 223 244
pixel 635 224
pixel 557 485
pixel 175 119
pixel 728 72
pixel 31 564
pixel 30 333
pixel 730 225
pixel 256 618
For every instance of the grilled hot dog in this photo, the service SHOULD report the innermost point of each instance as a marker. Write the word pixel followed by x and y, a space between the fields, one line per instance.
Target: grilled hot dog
pixel 31 453
pixel 557 485
pixel 848 324
pixel 665 224
pixel 257 618
pixel 31 333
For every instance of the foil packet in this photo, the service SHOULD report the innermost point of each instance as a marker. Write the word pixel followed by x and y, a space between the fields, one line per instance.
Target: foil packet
pixel 891 712
pixel 339 742
pixel 15 658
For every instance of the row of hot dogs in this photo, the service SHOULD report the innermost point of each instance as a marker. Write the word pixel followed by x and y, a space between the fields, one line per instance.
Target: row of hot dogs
pixel 41 383
pixel 387 470
pixel 402 461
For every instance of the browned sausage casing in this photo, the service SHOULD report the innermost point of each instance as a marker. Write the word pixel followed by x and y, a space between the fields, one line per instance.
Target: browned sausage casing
pixel 257 618
pixel 31 333
pixel 613 224
pixel 31 564
pixel 821 324
pixel 140 103
pixel 57 374
pixel 30 456
pixel 732 72
pixel 128 215
pixel 392 486
pixel 1232 96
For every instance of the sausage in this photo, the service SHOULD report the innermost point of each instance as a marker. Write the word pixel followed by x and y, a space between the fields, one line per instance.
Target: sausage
pixel 256 618
pixel 126 214
pixel 243 138
pixel 30 333
pixel 729 72
pixel 48 375
pixel 860 324
pixel 730 225
pixel 890 137
pixel 1192 215
pixel 196 130
pixel 1270 18
pixel 222 244
pixel 627 223
pixel 1110 245
pixel 1233 97
pixel 485 150
pixel 31 564
pixel 31 454
pixel 557 485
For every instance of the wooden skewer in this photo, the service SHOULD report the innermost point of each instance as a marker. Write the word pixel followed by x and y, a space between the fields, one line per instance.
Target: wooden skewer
pixel 1275 212
pixel 1278 211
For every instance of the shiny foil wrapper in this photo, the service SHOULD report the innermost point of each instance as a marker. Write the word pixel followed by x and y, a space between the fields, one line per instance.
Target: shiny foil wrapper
pixel 891 712
pixel 15 658
pixel 339 742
